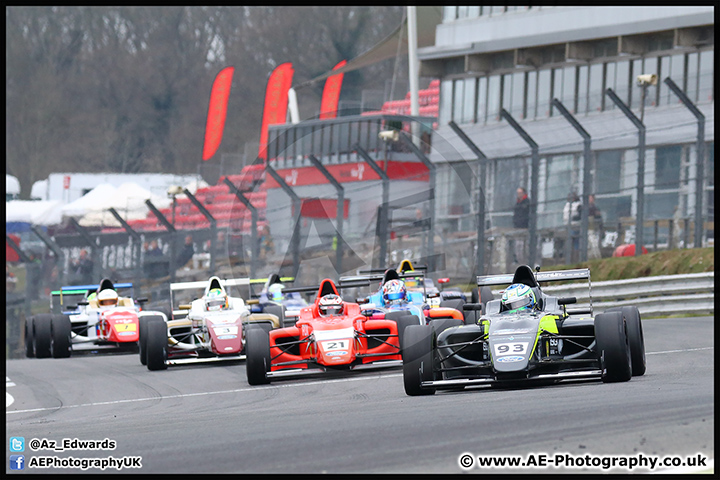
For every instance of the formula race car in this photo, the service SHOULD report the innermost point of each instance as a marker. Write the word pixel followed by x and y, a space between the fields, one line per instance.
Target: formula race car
pixel 91 316
pixel 330 334
pixel 526 335
pixel 393 295
pixel 275 300
pixel 210 327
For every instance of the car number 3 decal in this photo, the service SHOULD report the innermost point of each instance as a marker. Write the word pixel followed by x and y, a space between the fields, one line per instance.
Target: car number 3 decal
pixel 335 345
pixel 517 348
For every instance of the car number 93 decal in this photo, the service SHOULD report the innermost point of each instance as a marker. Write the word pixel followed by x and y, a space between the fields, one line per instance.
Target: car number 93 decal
pixel 513 348
pixel 336 345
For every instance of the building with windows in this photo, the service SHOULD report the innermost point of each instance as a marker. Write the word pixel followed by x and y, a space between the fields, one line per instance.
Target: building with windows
pixel 519 59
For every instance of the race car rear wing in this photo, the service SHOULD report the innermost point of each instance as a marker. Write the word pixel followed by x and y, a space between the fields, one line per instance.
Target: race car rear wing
pixel 230 282
pixel 559 275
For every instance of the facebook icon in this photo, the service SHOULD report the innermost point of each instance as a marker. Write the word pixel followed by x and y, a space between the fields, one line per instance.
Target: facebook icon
pixel 17 462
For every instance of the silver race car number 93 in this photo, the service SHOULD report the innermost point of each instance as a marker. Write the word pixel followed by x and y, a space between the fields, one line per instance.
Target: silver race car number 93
pixel 516 348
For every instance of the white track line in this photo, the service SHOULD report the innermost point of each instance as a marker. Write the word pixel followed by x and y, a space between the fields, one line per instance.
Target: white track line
pixel 250 389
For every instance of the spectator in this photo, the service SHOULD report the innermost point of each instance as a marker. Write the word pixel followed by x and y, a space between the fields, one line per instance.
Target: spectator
pixel 521 212
pixel 571 217
pixel 154 250
pixel 10 279
pixel 186 253
pixel 596 233
pixel 267 246
pixel 83 268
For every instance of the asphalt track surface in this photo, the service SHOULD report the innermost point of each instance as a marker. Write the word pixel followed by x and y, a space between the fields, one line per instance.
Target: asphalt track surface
pixel 206 418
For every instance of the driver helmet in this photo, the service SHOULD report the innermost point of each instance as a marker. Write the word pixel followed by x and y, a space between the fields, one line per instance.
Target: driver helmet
pixel 274 292
pixel 330 304
pixel 216 300
pixel 394 291
pixel 518 297
pixel 107 298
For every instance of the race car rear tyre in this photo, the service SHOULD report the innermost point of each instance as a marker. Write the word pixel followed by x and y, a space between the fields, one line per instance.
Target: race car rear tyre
pixel 42 339
pixel 257 356
pixel 404 322
pixel 156 344
pixel 418 355
pixel 440 324
pixel 60 329
pixel 29 347
pixel 633 325
pixel 142 335
pixel 397 314
pixel 614 347
pixel 455 303
pixel 278 311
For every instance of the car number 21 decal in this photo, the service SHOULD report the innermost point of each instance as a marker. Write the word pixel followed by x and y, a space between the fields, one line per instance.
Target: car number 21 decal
pixel 516 348
pixel 336 345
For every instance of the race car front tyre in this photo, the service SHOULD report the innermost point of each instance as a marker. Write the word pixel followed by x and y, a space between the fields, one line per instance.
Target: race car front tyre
pixel 156 344
pixel 142 334
pixel 404 322
pixel 257 356
pixel 440 324
pixel 29 347
pixel 42 339
pixel 633 325
pixel 613 346
pixel 418 354
pixel 60 329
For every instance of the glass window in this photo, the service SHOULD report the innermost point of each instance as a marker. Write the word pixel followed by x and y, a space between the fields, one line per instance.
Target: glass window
pixel 468 115
pixel 458 92
pixel 493 98
pixel 557 89
pixel 449 13
pixel 667 167
pixel 568 89
pixel 506 92
pixel 608 82
pixel 517 95
pixel 445 109
pixel 633 91
pixel 462 12
pixel 559 181
pixel 473 12
pixel 531 95
pixel 706 88
pixel 595 88
pixel 582 88
pixel 607 171
pixel 544 94
pixel 622 83
pixel 693 61
pixel 677 75
pixel 496 10
pixel 482 100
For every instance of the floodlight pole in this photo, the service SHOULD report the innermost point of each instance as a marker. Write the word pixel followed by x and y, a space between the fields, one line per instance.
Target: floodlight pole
pixel 639 221
pixel 700 153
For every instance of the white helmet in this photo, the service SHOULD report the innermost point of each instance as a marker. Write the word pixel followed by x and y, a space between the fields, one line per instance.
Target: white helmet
pixel 107 298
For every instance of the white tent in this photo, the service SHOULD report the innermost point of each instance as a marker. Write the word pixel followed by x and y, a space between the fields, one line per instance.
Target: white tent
pixel 129 202
pixel 43 212
pixel 90 201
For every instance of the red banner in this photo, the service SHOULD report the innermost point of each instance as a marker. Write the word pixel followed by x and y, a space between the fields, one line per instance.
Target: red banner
pixel 322 208
pixel 331 93
pixel 217 111
pixel 276 102
pixel 10 254
pixel 350 172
